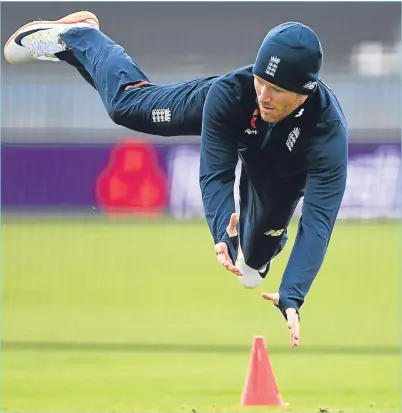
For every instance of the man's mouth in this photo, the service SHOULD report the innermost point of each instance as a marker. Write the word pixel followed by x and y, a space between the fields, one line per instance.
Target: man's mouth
pixel 266 107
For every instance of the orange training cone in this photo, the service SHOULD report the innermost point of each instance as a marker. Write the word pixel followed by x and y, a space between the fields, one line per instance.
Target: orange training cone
pixel 260 388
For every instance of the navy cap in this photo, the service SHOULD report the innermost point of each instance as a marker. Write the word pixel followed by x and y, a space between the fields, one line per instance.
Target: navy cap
pixel 290 57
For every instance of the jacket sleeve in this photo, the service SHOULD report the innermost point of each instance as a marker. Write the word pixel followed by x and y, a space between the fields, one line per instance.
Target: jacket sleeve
pixel 325 186
pixel 218 160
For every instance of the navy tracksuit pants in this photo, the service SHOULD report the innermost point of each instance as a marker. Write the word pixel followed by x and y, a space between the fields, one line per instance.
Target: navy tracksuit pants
pixel 129 97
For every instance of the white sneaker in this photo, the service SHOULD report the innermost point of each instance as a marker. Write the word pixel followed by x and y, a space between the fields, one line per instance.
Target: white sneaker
pixel 40 40
pixel 251 278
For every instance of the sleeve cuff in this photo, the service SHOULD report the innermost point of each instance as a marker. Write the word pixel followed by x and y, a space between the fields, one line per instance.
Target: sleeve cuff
pixel 284 304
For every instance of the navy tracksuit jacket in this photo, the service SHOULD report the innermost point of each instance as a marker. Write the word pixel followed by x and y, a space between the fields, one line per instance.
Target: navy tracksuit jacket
pixel 303 155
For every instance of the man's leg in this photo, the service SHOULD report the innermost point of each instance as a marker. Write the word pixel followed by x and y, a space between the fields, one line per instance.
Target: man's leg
pixel 128 96
pixel 101 62
pixel 68 57
pixel 106 62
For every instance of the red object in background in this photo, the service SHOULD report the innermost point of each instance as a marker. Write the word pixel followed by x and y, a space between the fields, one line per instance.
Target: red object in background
pixel 133 181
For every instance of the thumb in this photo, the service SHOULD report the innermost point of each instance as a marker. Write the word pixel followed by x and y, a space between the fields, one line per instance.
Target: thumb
pixel 231 228
pixel 274 297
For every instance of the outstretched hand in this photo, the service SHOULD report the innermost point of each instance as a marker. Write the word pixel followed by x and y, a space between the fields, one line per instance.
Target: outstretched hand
pixel 221 248
pixel 292 318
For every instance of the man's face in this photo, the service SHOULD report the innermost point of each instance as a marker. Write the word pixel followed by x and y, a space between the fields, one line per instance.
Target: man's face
pixel 275 103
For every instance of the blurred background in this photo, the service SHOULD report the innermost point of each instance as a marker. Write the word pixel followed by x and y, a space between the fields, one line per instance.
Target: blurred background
pixel 111 296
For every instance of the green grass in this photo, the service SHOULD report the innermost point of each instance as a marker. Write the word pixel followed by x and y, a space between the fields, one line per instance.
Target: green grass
pixel 123 316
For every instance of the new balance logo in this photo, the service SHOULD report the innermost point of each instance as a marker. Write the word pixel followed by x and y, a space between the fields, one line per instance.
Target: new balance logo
pixel 274 232
pixel 161 115
pixel 310 85
pixel 272 66
pixel 292 138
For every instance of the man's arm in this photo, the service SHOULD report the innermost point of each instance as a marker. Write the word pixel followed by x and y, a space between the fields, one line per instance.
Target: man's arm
pixel 218 163
pixel 325 186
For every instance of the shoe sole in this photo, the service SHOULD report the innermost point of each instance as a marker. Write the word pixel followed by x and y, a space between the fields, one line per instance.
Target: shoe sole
pixel 72 18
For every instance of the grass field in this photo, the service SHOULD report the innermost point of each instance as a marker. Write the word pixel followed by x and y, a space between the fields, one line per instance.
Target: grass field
pixel 128 316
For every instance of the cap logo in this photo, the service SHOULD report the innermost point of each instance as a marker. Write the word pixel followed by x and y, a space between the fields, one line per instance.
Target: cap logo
pixel 272 66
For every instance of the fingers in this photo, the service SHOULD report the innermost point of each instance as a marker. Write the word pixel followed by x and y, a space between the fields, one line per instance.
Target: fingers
pixel 231 228
pixel 295 333
pixel 274 297
pixel 228 264
pixel 294 326
pixel 292 318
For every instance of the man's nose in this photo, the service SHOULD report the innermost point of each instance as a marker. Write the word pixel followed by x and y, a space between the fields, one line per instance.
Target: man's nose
pixel 266 94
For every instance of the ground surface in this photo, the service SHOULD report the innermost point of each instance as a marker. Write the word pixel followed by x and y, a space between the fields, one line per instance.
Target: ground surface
pixel 119 316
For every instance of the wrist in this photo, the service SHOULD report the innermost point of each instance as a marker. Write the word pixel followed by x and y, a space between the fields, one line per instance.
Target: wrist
pixel 232 244
pixel 287 303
